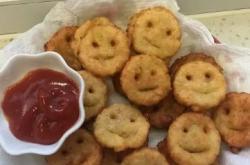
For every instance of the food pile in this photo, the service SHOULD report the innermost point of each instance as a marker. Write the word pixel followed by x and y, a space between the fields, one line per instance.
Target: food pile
pixel 188 100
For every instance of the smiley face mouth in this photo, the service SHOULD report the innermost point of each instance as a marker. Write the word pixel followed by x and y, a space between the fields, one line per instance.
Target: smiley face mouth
pixel 123 134
pixel 204 90
pixel 90 103
pixel 147 89
pixel 103 57
pixel 151 43
pixel 193 150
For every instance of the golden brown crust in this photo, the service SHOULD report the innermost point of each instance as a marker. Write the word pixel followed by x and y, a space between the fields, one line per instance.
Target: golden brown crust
pixel 198 82
pixel 190 58
pixel 60 42
pixel 102 47
pixel 145 80
pixel 124 124
pixel 232 119
pixel 117 84
pixel 95 94
pixel 110 158
pixel 193 139
pixel 154 31
pixel 145 156
pixel 82 31
pixel 163 114
pixel 115 158
pixel 162 147
pixel 89 125
pixel 80 148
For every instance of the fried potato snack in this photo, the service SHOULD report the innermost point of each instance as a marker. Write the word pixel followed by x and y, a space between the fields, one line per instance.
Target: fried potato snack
pixel 165 113
pixel 232 118
pixel 155 31
pixel 198 82
pixel 95 96
pixel 145 156
pixel 80 148
pixel 163 149
pixel 110 158
pixel 193 140
pixel 121 127
pixel 61 43
pixel 83 29
pixel 145 80
pixel 102 48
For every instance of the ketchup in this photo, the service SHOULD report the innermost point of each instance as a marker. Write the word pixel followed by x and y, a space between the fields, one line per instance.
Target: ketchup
pixel 42 106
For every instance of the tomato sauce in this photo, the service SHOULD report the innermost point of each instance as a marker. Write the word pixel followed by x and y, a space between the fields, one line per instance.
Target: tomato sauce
pixel 42 106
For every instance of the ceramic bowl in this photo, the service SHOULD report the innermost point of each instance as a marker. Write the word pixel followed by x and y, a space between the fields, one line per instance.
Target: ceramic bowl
pixel 14 70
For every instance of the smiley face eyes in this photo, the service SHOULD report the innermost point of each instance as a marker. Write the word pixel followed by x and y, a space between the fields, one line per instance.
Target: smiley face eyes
pixel 91 90
pixel 207 76
pixel 68 38
pixel 95 44
pixel 227 111
pixel 185 130
pixel 112 43
pixel 189 77
pixel 149 24
pixel 168 32
pixel 132 120
pixel 113 116
pixel 152 72
pixel 137 76
pixel 205 130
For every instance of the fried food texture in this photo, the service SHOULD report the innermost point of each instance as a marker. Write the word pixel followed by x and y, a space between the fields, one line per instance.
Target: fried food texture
pixel 83 29
pixel 145 156
pixel 102 48
pixel 80 148
pixel 162 115
pixel 61 43
pixel 121 127
pixel 95 95
pixel 198 82
pixel 155 31
pixel 232 119
pixel 193 140
pixel 145 80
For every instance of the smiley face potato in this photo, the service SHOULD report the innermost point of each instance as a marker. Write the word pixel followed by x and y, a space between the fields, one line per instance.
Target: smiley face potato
pixel 61 42
pixel 95 95
pixel 232 120
pixel 162 115
pixel 101 47
pixel 145 80
pixel 155 31
pixel 198 82
pixel 145 156
pixel 122 123
pixel 193 139
pixel 80 148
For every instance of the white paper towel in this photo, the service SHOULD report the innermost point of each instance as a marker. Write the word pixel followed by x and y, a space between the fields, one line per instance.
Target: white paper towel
pixel 195 37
